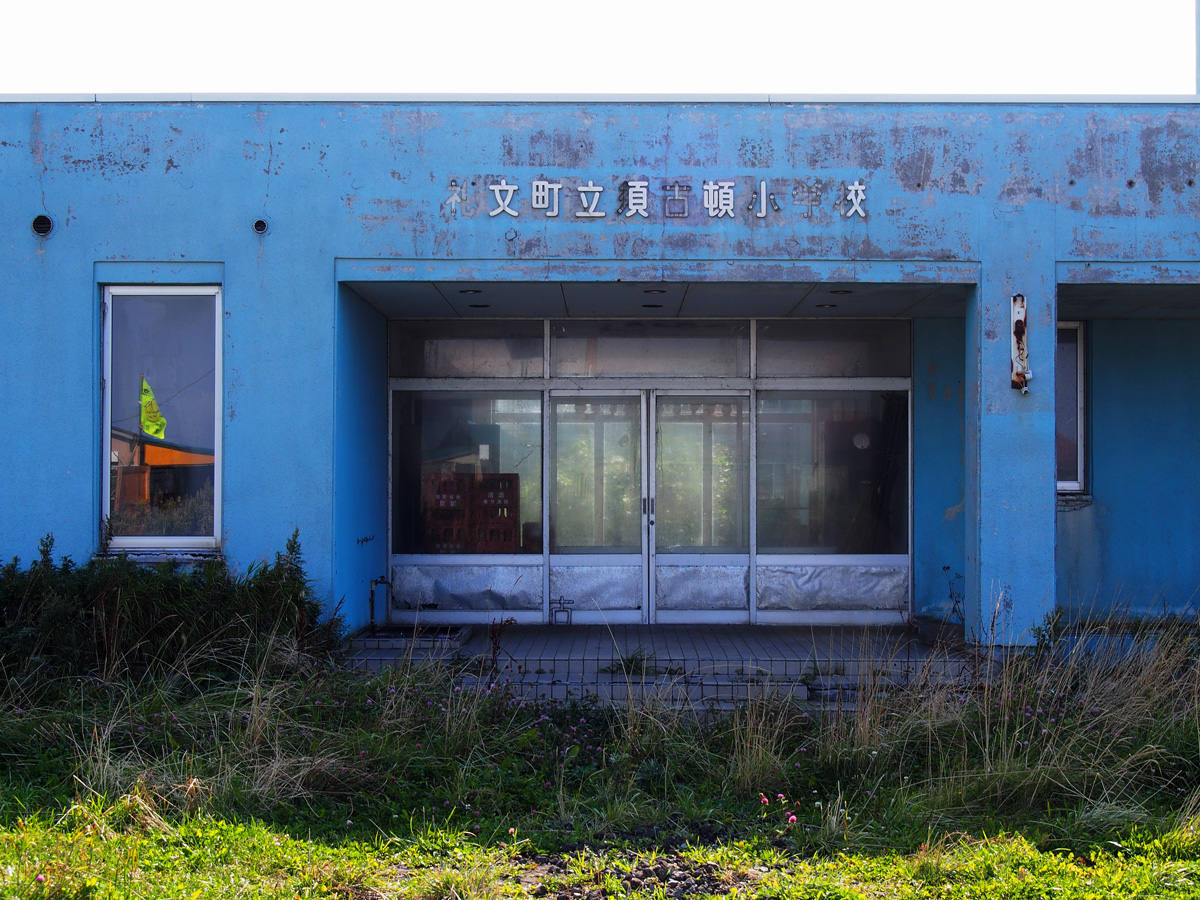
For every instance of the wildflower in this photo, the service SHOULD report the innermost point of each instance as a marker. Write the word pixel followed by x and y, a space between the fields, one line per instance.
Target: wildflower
pixel 791 820
pixel 362 752
pixel 763 798
pixel 512 831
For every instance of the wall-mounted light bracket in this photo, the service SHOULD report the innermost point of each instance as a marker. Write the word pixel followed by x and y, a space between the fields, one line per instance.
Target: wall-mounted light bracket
pixel 1020 346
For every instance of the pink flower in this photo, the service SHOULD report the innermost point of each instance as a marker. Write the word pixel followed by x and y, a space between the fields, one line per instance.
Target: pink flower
pixel 791 820
pixel 779 796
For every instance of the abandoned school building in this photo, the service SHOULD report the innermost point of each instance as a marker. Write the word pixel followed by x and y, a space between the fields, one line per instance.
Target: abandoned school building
pixel 715 361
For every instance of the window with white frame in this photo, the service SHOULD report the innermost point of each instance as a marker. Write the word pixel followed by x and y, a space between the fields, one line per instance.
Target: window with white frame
pixel 1069 420
pixel 162 426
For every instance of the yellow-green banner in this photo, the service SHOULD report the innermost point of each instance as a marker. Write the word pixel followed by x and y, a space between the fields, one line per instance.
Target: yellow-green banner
pixel 153 421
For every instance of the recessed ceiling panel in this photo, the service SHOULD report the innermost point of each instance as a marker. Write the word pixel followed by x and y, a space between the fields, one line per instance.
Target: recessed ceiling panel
pixel 504 299
pixel 945 301
pixel 623 299
pixel 742 301
pixel 861 299
pixel 403 299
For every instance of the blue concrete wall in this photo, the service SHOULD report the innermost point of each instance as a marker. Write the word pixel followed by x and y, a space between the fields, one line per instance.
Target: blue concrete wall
pixel 360 459
pixel 939 484
pixel 1133 551
pixel 994 195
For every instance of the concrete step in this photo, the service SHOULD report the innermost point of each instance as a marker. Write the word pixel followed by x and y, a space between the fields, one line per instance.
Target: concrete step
pixel 397 638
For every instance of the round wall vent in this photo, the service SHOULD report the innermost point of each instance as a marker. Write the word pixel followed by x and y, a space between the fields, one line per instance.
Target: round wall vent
pixel 42 225
pixel 261 226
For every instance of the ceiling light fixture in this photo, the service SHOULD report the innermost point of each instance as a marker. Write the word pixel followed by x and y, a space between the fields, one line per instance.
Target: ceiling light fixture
pixel 470 291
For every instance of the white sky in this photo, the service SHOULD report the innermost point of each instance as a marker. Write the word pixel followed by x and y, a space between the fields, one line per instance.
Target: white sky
pixel 610 46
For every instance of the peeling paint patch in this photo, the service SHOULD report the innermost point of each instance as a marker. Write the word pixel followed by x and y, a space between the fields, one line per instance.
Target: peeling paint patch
pixel 1167 159
pixel 756 153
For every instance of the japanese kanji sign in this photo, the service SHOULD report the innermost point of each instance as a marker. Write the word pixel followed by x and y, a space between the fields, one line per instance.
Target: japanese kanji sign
pixel 638 199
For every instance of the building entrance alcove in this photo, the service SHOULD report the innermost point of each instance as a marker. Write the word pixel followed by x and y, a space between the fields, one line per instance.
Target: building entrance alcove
pixel 652 469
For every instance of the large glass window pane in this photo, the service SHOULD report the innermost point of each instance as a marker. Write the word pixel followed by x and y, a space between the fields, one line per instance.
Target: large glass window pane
pixel 834 348
pixel 833 472
pixel 1066 409
pixel 467 472
pixel 651 348
pixel 596 486
pixel 702 475
pixel 162 384
pixel 455 349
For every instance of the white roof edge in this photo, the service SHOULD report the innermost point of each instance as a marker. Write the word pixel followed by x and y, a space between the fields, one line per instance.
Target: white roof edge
pixel 1094 99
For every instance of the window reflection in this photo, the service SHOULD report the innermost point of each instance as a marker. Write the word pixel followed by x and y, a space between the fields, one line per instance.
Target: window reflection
pixel 1066 409
pixel 596 491
pixel 832 472
pixel 161 393
pixel 702 475
pixel 467 472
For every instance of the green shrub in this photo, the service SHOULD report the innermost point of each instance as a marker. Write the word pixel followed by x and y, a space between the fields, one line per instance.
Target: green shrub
pixel 115 615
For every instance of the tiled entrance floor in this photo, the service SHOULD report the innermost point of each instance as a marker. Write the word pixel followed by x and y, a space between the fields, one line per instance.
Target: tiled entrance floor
pixel 677 663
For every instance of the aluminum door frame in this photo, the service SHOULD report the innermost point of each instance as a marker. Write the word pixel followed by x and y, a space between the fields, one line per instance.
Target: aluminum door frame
pixel 599 560
pixel 699 615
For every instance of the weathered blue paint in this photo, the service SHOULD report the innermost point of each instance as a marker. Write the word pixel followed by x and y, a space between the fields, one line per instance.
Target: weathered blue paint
pixel 998 196
pixel 1132 550
pixel 360 458
pixel 939 484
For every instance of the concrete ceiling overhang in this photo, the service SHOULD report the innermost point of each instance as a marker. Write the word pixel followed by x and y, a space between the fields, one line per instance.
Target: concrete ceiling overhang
pixel 630 300
pixel 1128 301
pixel 740 300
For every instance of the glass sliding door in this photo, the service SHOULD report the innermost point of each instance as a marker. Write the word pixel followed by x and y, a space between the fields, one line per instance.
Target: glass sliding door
pixel 701 508
pixel 598 506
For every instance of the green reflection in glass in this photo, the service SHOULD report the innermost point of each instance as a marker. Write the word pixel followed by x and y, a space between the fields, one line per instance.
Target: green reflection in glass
pixel 702 475
pixel 597 482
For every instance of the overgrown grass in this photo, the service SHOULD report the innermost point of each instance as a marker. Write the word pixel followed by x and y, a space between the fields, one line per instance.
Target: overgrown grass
pixel 249 767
